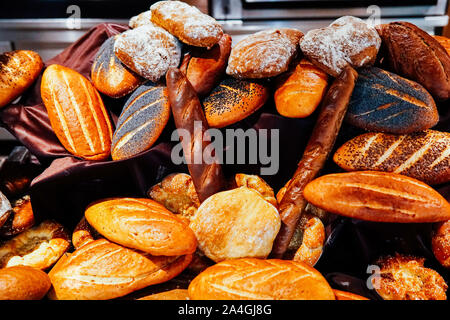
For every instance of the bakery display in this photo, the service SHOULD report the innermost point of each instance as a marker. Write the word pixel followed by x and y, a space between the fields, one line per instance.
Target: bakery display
pixel 300 90
pixel 422 155
pixel 77 113
pixel 385 102
pixel 148 50
pixel 233 100
pixel 406 44
pixel 23 283
pixel 264 54
pixel 143 118
pixel 348 41
pixel 186 23
pixel 18 70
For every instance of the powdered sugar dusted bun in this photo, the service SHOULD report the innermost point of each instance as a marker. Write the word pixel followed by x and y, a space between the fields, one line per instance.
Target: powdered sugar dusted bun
pixel 141 19
pixel 264 54
pixel 148 50
pixel 348 40
pixel 187 23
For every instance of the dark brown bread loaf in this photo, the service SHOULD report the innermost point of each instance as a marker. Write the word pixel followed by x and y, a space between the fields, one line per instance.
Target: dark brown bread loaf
pixel 187 112
pixel 383 101
pixel 423 155
pixel 416 55
pixel 109 75
pixel 141 122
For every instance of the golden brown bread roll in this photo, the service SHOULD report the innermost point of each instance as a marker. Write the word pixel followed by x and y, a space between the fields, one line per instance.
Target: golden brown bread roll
pixel 300 91
pixel 39 247
pixel 177 193
pixel 141 224
pixel 18 70
pixel 312 243
pixel 109 75
pixel 404 277
pixel 344 295
pixel 258 184
pixel 103 270
pixel 346 41
pixel 440 242
pixel 83 234
pixel 421 155
pixel 237 223
pixel 264 54
pixel 186 23
pixel 378 196
pixel 77 113
pixel 23 283
pixel 21 219
pixel 175 294
pixel 255 279
pixel 233 100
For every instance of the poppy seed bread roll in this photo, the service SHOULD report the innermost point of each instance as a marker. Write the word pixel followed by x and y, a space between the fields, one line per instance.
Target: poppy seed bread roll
pixel 233 100
pixel 141 122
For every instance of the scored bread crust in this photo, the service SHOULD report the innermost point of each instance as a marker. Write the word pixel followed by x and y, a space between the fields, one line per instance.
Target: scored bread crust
pixel 103 270
pixel 23 283
pixel 187 23
pixel 255 279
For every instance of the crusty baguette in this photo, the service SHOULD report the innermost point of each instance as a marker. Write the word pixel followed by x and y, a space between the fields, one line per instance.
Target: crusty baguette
pixel 23 283
pixel 18 70
pixel 377 196
pixel 423 155
pixel 141 224
pixel 255 279
pixel 103 270
pixel 320 144
pixel 77 113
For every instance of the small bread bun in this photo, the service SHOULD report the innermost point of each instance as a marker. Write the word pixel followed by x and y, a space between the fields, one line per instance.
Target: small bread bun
pixel 441 243
pixel 258 184
pixel 344 295
pixel 175 294
pixel 39 247
pixel 238 223
pixel 21 219
pixel 404 277
pixel 233 100
pixel 177 193
pixel 23 283
pixel 84 234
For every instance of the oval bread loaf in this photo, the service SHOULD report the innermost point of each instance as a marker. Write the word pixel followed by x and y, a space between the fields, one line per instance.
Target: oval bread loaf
pixel 377 196
pixel 109 75
pixel 255 279
pixel 423 155
pixel 383 101
pixel 103 270
pixel 141 224
pixel 18 70
pixel 23 283
pixel 141 122
pixel 77 113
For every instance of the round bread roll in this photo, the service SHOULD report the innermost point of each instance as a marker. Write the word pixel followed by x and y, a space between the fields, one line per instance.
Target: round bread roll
pixel 232 101
pixel 39 247
pixel 175 294
pixel 404 277
pixel 141 224
pixel 441 243
pixel 237 223
pixel 22 218
pixel 255 279
pixel 148 50
pixel 264 54
pixel 23 283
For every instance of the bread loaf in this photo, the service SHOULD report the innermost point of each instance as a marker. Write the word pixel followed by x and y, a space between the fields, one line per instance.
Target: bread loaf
pixel 186 23
pixel 109 75
pixel 76 112
pixel 103 270
pixel 422 155
pixel 347 41
pixel 445 42
pixel 300 91
pixel 383 101
pixel 141 122
pixel 233 100
pixel 377 196
pixel 141 224
pixel 254 279
pixel 18 70
pixel 264 54
pixel 148 50
pixel 414 54
pixel 440 242
pixel 23 283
